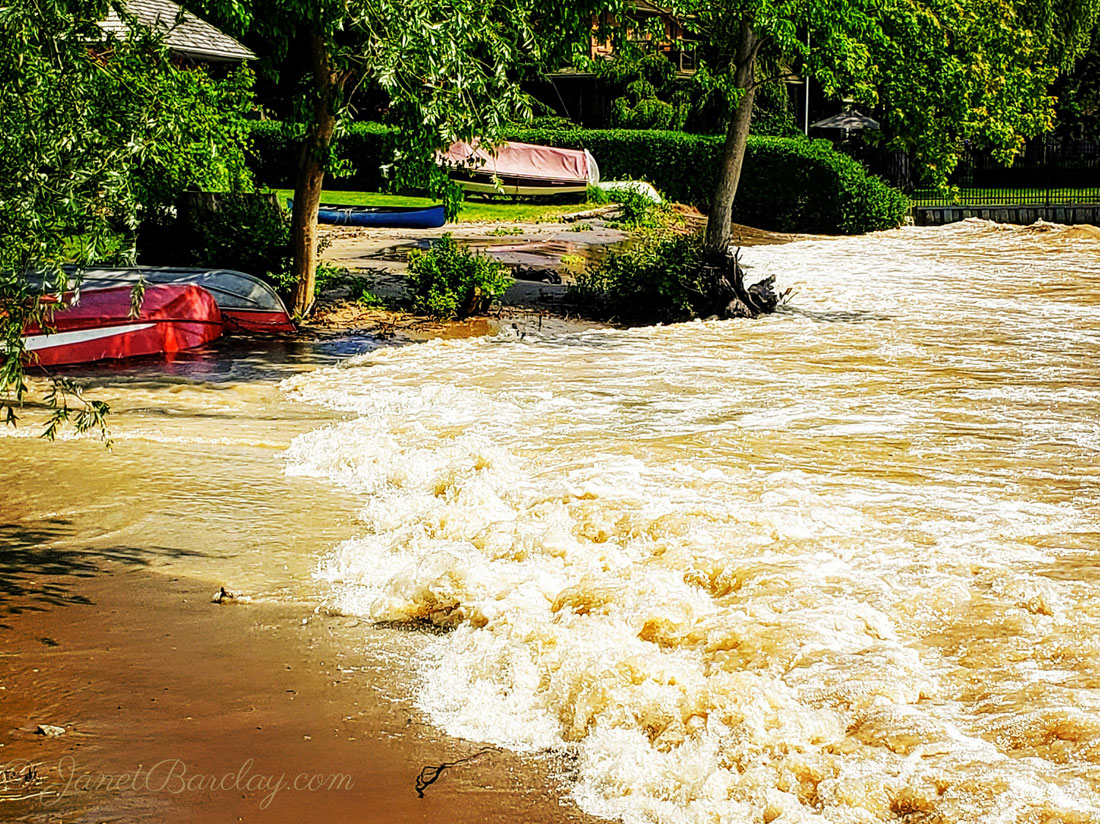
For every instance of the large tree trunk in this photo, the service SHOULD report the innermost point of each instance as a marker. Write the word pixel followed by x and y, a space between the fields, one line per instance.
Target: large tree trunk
pixel 733 152
pixel 311 175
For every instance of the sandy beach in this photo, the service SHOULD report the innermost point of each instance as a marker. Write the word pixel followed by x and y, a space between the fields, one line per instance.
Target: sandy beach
pixel 177 709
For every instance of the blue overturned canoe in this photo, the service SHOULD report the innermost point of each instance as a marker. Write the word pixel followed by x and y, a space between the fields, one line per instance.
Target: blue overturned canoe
pixel 382 217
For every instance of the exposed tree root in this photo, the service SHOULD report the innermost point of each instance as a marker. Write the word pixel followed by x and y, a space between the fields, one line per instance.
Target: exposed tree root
pixel 725 278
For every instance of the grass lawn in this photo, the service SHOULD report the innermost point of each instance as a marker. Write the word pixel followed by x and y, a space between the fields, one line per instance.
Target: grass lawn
pixel 1007 197
pixel 473 211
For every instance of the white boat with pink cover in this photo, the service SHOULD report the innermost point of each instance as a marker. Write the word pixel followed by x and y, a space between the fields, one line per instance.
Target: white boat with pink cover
pixel 520 168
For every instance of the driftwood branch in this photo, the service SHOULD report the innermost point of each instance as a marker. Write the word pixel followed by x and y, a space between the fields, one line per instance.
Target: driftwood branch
pixel 430 774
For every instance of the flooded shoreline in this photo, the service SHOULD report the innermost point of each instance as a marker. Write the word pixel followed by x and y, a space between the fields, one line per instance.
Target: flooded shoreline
pixel 107 628
pixel 175 709
pixel 838 564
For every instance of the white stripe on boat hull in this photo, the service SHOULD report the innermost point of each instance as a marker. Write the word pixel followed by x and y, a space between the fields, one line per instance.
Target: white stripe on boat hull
pixel 36 342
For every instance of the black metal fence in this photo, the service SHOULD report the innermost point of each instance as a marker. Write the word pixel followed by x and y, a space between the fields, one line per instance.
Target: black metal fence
pixel 1050 172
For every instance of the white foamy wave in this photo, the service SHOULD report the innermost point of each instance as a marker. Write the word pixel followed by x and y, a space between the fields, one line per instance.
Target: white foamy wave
pixel 822 567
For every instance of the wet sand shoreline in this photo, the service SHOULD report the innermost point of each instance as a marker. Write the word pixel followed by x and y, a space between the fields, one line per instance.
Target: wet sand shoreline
pixel 151 679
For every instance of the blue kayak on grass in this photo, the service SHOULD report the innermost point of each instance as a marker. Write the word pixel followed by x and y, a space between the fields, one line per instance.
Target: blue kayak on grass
pixel 383 217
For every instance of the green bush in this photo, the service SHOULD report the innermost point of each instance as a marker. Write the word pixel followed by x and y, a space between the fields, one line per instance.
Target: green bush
pixel 248 233
pixel 639 212
pixel 636 211
pixel 787 184
pixel 674 162
pixel 666 276
pixel 448 280
pixel 655 280
pixel 811 187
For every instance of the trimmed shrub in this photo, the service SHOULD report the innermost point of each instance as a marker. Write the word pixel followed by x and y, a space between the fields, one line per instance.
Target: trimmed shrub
pixel 787 184
pixel 678 164
pixel 795 185
pixel 448 280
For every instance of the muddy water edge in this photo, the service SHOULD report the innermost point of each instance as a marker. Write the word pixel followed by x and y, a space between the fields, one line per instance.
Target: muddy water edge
pixel 178 709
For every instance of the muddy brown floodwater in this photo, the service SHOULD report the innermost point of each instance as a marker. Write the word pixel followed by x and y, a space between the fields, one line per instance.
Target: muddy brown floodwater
pixel 841 564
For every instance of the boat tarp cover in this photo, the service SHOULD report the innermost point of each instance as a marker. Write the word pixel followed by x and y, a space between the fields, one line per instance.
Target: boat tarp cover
pixel 523 160
pixel 160 302
pixel 99 325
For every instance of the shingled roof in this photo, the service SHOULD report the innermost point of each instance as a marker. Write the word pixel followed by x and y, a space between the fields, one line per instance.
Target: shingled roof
pixel 184 33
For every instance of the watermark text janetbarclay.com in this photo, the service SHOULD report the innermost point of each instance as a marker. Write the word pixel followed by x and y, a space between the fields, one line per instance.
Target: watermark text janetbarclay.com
pixel 31 780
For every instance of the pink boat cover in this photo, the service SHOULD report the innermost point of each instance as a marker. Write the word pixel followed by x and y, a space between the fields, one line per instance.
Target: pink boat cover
pixel 523 160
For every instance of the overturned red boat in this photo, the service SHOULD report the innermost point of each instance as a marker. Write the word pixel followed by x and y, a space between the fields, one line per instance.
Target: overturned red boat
pixel 99 325
pixel 247 303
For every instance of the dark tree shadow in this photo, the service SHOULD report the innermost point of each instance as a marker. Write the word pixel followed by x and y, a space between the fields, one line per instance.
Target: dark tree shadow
pixel 223 364
pixel 31 562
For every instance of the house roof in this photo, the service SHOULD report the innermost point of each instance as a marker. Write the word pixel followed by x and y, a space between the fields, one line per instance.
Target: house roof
pixel 848 121
pixel 184 33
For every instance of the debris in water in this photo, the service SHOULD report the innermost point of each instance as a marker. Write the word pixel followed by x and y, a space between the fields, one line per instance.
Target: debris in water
pixel 539 273
pixel 429 775
pixel 223 596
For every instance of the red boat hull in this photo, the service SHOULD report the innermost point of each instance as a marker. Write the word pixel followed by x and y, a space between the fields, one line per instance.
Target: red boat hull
pixel 253 320
pixel 173 317
pixel 247 303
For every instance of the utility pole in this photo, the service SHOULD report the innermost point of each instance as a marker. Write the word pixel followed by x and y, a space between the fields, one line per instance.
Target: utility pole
pixel 806 101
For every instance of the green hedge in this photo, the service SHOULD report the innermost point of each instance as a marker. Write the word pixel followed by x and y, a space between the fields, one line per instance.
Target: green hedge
pixel 787 184
pixel 367 146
